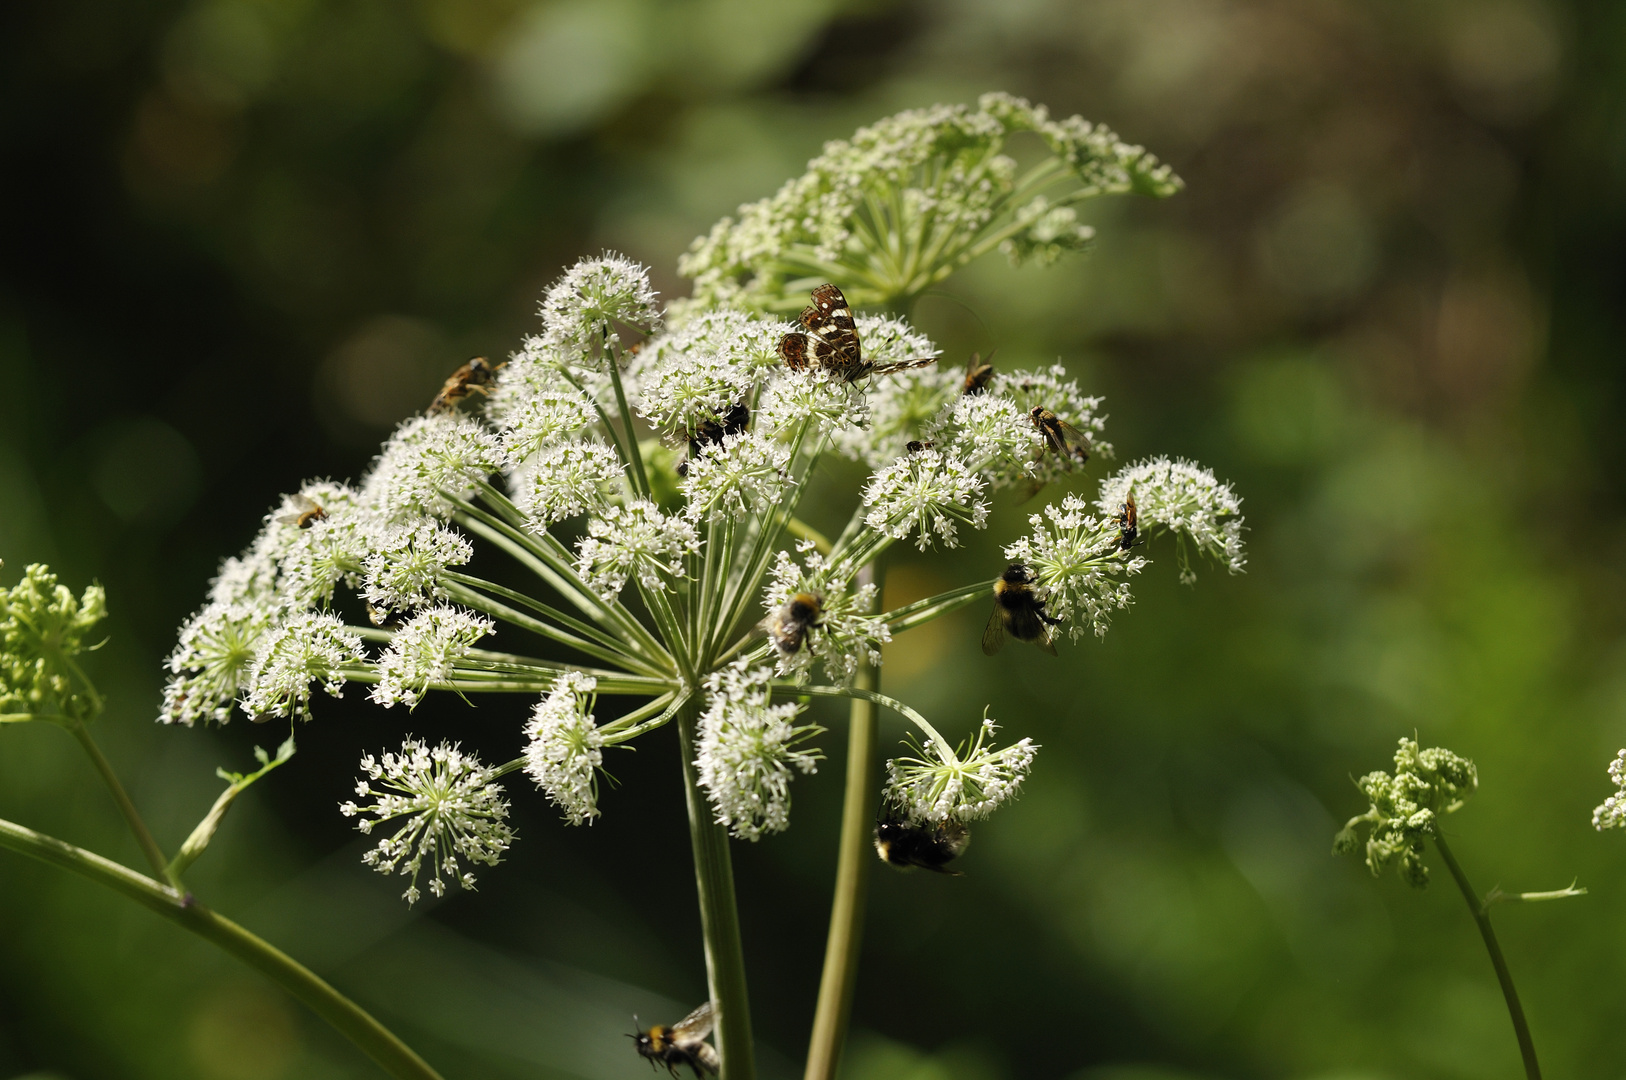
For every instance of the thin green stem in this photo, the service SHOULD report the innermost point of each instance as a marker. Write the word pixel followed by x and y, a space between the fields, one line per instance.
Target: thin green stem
pixel 1481 914
pixel 912 615
pixel 345 1016
pixel 943 746
pixel 853 862
pixel 637 456
pixel 719 918
pixel 132 817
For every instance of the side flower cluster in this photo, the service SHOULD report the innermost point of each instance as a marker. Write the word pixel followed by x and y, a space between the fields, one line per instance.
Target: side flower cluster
pixel 1406 808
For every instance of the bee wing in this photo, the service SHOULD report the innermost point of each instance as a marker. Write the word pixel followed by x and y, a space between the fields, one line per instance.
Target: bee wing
pixel 993 636
pixel 695 1026
pixel 303 504
pixel 1047 642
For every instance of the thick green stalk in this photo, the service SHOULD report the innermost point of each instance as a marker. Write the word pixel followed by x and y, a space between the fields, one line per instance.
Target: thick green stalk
pixel 853 863
pixel 719 918
pixel 1481 913
pixel 348 1018
pixel 132 817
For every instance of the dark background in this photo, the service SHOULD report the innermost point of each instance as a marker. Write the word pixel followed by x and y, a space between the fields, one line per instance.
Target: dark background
pixel 242 238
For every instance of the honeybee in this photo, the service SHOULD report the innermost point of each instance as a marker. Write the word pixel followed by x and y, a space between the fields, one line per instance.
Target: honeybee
pixel 684 1043
pixel 832 341
pixel 977 374
pixel 788 627
pixel 915 446
pixel 307 512
pixel 1060 437
pixel 472 378
pixel 713 432
pixel 1019 611
pixel 1126 519
pixel 928 846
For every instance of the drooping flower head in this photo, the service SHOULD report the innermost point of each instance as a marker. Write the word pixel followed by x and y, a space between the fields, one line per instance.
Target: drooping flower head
pixel 1406 808
pixel 565 749
pixel 938 785
pixel 749 750
pixel 454 811
pixel 1185 499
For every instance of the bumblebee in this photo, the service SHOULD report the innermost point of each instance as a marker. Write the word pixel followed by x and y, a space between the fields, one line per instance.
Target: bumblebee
pixel 915 446
pixel 1126 519
pixel 472 378
pixel 930 847
pixel 1019 611
pixel 307 513
pixel 1060 437
pixel 788 627
pixel 713 432
pixel 683 1043
pixel 977 374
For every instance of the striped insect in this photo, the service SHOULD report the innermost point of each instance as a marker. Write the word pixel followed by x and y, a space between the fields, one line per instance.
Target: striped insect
pixel 829 341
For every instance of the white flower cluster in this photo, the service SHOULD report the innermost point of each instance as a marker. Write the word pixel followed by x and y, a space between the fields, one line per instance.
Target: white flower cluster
pixel 454 810
pixel 422 653
pixel 428 458
pixel 1184 499
pixel 1611 813
pixel 943 170
pixel 965 785
pixel 847 633
pixel 405 568
pixel 925 493
pixel 744 474
pixel 307 648
pixel 634 540
pixel 565 748
pixel 1075 558
pixel 581 311
pixel 748 751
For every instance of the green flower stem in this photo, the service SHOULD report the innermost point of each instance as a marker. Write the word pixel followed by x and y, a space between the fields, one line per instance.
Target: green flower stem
pixel 348 1018
pixel 1481 914
pixel 923 611
pixel 132 816
pixel 514 596
pixel 858 693
pixel 633 451
pixel 853 863
pixel 719 918
pixel 487 606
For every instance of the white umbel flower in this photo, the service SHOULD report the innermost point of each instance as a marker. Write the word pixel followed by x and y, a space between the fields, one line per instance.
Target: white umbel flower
pixel 1185 499
pixel 971 783
pixel 406 567
pixel 546 414
pixel 454 810
pixel 212 662
pixel 580 311
pixel 426 458
pixel 903 406
pixel 1611 813
pixel 794 401
pixel 566 749
pixel 423 651
pixel 745 474
pixel 926 491
pixel 310 647
pixel 564 480
pixel 994 435
pixel 1076 559
pixel 636 539
pixel 749 750
pixel 697 373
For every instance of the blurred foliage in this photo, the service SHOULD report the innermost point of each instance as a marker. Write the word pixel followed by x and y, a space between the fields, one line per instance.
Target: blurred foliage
pixel 243 238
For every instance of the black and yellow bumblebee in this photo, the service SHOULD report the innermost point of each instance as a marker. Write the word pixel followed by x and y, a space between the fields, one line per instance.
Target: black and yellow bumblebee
pixel 1127 519
pixel 713 432
pixel 915 446
pixel 905 844
pixel 1018 611
pixel 1060 437
pixel 683 1043
pixel 788 626
pixel 977 374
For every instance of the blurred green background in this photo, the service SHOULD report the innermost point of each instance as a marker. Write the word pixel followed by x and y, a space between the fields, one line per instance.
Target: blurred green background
pixel 242 238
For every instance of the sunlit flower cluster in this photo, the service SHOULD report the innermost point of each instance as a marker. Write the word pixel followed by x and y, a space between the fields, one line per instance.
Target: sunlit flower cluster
pixel 940 784
pixel 749 751
pixel 565 750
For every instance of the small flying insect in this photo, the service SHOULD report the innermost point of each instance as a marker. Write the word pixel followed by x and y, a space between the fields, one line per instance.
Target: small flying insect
pixel 832 343
pixel 713 432
pixel 683 1043
pixel 1126 519
pixel 930 847
pixel 472 378
pixel 788 627
pixel 977 374
pixel 1018 611
pixel 307 512
pixel 1060 437
pixel 915 446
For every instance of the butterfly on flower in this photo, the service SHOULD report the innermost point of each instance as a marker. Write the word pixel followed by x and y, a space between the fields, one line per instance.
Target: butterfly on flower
pixel 831 341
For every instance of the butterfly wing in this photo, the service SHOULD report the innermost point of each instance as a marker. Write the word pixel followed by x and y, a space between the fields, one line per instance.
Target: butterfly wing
pixel 830 324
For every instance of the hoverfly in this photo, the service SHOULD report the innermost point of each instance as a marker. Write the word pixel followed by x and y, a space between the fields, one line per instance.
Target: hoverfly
pixel 683 1043
pixel 977 374
pixel 1127 519
pixel 472 378
pixel 832 342
pixel 307 512
pixel 1018 611
pixel 1060 437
